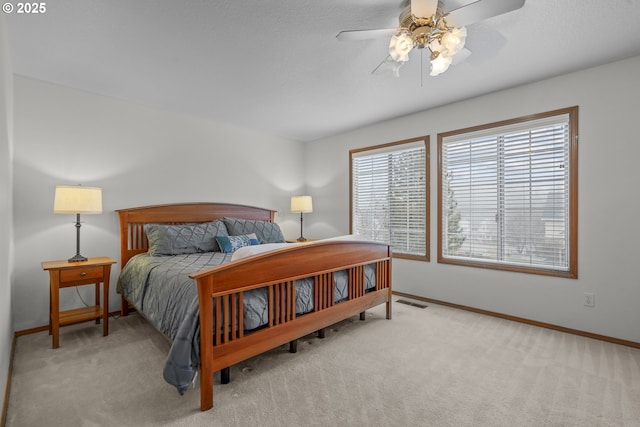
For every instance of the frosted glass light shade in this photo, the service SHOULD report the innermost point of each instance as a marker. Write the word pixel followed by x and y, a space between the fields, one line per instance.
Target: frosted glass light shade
pixel 400 46
pixel 301 204
pixel 440 64
pixel 453 40
pixel 76 199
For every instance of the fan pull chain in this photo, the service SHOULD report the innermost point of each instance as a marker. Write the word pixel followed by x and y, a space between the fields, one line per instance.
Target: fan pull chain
pixel 421 65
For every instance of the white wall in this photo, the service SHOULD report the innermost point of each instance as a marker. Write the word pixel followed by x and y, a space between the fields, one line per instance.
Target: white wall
pixel 139 156
pixel 6 238
pixel 609 201
pixel 64 136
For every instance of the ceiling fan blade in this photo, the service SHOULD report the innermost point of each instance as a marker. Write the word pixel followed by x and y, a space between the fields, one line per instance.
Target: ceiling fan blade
pixel 388 65
pixel 480 10
pixel 485 42
pixel 357 35
pixel 423 8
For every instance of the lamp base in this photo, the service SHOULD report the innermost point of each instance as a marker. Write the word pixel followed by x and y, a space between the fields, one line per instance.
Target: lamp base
pixel 77 258
pixel 301 238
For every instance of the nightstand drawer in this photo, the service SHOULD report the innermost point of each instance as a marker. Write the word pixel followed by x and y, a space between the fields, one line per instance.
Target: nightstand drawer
pixel 76 274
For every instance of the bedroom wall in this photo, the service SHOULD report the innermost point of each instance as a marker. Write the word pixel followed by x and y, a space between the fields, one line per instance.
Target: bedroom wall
pixel 6 239
pixel 139 156
pixel 609 231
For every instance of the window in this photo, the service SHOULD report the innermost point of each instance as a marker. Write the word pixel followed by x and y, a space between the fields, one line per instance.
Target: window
pixel 389 195
pixel 508 195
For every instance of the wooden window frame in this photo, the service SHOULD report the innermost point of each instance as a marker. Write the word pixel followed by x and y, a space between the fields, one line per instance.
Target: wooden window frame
pixel 572 260
pixel 426 140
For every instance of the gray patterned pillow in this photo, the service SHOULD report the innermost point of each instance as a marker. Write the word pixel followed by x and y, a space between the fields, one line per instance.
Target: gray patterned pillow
pixel 267 232
pixel 176 239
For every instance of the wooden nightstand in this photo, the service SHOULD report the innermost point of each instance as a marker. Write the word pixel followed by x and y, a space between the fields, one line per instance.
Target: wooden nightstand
pixel 63 274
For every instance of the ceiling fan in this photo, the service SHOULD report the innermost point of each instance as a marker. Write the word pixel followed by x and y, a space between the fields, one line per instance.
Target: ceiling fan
pixel 424 24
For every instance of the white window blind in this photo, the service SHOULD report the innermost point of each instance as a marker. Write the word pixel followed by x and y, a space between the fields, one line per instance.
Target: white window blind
pixel 505 196
pixel 389 196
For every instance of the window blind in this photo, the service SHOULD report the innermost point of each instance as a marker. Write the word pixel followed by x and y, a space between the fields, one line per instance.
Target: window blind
pixel 506 194
pixel 389 196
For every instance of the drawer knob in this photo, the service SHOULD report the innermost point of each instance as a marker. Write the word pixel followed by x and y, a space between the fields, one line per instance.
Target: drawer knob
pixel 84 273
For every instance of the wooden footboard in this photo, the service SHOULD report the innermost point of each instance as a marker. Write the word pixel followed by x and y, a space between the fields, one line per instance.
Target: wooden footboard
pixel 221 290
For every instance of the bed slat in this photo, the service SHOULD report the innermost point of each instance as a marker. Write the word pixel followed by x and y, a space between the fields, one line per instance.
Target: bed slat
pixel 323 291
pixel 282 302
pixel 218 317
pixel 382 270
pixel 241 319
pixel 234 317
pixel 356 282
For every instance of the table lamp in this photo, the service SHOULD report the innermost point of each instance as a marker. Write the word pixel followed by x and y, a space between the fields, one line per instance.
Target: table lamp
pixel 77 200
pixel 302 204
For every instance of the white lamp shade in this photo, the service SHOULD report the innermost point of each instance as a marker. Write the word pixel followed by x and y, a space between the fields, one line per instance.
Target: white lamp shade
pixel 70 199
pixel 302 204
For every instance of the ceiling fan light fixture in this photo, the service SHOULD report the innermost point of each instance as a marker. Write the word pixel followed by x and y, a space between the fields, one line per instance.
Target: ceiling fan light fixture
pixel 436 48
pixel 453 40
pixel 400 45
pixel 440 64
pixel 425 24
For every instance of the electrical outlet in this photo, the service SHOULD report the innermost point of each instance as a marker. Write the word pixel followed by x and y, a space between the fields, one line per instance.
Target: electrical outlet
pixel 589 299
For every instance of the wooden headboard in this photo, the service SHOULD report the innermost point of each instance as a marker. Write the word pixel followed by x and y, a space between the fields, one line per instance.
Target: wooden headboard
pixel 133 239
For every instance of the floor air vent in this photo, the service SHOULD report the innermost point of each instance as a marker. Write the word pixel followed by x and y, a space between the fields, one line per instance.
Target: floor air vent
pixel 412 304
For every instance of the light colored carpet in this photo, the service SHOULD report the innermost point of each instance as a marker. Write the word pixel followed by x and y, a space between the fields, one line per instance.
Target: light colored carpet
pixel 427 367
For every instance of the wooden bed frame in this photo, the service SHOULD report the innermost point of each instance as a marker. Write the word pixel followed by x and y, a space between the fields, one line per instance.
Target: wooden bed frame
pixel 221 289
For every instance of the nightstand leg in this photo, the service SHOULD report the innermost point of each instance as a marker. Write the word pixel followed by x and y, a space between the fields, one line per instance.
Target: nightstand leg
pixel 105 300
pixel 98 299
pixel 55 309
pixel 105 309
pixel 50 307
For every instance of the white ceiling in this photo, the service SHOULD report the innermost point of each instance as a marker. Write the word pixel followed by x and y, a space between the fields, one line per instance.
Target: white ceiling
pixel 275 66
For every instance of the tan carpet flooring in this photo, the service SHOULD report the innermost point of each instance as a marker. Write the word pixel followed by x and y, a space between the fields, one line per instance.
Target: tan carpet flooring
pixel 427 367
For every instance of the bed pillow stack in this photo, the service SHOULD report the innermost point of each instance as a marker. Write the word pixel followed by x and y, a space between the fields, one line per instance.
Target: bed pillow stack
pixel 266 232
pixel 177 239
pixel 226 235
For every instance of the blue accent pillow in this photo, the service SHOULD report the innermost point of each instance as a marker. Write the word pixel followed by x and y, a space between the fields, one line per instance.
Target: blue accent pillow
pixel 229 244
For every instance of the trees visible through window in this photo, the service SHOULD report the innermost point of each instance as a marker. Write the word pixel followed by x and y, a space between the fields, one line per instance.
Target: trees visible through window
pixel 389 196
pixel 508 195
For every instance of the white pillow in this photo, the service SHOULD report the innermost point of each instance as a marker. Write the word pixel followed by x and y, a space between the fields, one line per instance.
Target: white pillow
pixel 257 249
